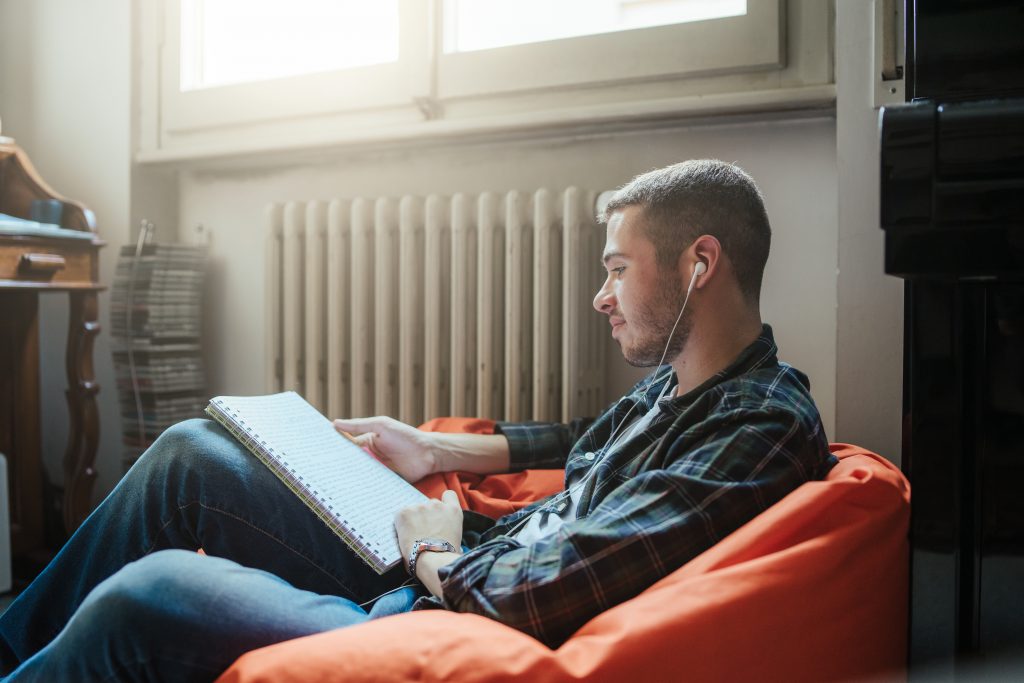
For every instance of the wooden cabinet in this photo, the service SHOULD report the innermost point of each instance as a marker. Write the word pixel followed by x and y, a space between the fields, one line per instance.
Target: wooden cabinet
pixel 32 264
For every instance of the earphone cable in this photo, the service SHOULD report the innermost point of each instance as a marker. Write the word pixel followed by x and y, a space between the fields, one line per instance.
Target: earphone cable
pixel 560 497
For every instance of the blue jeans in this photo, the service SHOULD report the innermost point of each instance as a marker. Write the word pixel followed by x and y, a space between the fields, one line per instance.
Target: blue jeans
pixel 128 598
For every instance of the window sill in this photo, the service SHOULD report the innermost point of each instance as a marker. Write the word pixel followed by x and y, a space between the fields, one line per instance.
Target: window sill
pixel 566 122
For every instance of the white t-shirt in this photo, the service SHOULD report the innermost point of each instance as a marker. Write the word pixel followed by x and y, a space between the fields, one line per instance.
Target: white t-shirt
pixel 561 509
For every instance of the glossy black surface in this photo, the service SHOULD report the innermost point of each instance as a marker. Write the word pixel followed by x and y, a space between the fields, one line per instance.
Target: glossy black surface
pixel 964 424
pixel 952 194
pixel 952 207
pixel 965 49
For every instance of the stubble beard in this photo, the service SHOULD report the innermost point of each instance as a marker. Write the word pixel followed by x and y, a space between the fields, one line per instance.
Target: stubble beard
pixel 656 323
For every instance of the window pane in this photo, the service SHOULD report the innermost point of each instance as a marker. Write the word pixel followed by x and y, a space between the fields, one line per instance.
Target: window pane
pixel 482 24
pixel 238 41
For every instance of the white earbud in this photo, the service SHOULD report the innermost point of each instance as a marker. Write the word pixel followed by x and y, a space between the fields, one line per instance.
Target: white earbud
pixel 698 270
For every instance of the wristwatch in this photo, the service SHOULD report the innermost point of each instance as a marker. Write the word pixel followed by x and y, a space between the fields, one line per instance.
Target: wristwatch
pixel 431 545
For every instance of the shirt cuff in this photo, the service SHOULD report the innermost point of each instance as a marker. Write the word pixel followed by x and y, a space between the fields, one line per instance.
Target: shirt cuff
pixel 535 445
pixel 470 571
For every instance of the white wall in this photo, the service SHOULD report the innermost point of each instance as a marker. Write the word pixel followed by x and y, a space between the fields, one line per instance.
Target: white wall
pixel 869 353
pixel 65 74
pixel 793 161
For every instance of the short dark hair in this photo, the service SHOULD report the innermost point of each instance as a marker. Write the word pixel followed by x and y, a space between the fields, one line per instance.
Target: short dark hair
pixel 702 197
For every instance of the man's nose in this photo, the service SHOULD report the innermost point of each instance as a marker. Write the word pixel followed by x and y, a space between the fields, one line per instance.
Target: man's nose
pixel 604 301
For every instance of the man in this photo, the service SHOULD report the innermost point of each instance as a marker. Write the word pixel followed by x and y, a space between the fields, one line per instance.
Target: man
pixel 694 451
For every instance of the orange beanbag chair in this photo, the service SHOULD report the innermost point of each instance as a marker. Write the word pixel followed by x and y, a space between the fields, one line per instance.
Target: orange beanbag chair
pixel 813 589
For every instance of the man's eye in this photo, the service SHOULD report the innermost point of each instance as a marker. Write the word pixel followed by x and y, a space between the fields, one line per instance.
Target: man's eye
pixel 618 271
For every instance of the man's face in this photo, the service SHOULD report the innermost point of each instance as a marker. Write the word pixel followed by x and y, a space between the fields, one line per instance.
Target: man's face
pixel 640 300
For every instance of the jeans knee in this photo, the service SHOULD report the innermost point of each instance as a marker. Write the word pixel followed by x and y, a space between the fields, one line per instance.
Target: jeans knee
pixel 177 442
pixel 184 439
pixel 142 595
pixel 197 445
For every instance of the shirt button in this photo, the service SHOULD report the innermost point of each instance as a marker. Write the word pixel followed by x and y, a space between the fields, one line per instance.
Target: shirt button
pixel 588 456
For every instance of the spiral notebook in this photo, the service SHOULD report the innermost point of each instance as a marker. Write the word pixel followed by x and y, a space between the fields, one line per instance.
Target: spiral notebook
pixel 349 489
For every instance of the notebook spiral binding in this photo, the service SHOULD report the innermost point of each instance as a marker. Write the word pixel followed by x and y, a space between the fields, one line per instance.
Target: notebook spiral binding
pixel 229 420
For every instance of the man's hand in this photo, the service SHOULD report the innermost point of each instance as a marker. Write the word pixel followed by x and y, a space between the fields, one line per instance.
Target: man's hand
pixel 414 454
pixel 440 519
pixel 406 450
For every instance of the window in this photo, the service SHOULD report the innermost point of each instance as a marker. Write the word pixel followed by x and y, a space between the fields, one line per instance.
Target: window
pixel 212 78
pixel 225 42
pixel 602 41
pixel 222 76
pixel 484 24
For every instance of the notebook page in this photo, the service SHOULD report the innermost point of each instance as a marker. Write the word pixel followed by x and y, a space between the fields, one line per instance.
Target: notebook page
pixel 351 485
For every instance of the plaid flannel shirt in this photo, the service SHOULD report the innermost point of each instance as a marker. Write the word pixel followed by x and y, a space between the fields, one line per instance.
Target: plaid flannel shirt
pixel 712 460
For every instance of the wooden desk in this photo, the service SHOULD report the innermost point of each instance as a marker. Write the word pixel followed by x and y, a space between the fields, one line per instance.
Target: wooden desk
pixel 30 265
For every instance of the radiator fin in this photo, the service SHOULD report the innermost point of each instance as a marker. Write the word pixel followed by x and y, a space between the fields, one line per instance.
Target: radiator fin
pixel 420 307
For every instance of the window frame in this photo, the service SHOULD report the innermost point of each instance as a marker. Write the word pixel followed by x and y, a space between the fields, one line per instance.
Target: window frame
pixel 739 44
pixel 432 95
pixel 306 95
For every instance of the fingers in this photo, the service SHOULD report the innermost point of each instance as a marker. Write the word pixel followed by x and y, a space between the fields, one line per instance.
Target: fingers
pixel 449 497
pixel 368 442
pixel 360 425
pixel 364 440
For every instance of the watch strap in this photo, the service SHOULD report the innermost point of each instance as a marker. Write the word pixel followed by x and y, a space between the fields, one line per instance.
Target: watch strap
pixel 433 545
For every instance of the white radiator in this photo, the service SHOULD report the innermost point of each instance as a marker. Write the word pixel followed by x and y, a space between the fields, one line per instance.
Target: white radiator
pixel 420 308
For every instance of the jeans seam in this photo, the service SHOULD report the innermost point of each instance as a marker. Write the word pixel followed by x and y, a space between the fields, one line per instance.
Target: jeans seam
pixel 166 524
pixel 181 508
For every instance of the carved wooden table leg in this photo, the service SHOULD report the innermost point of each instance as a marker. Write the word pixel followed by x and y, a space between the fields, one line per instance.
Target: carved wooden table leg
pixel 84 434
pixel 19 419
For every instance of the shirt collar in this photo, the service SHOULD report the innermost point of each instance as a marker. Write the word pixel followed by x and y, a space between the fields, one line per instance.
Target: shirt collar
pixel 762 351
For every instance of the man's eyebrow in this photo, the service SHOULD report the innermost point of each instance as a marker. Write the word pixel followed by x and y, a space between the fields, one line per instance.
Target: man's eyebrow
pixel 612 254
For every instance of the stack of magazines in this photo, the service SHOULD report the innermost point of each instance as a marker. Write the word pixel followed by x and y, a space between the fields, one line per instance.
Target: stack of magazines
pixel 156 321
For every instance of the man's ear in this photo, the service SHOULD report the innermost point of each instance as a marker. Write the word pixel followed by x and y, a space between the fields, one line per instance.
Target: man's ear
pixel 705 249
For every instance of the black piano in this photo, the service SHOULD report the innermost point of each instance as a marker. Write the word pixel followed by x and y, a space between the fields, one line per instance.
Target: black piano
pixel 952 208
